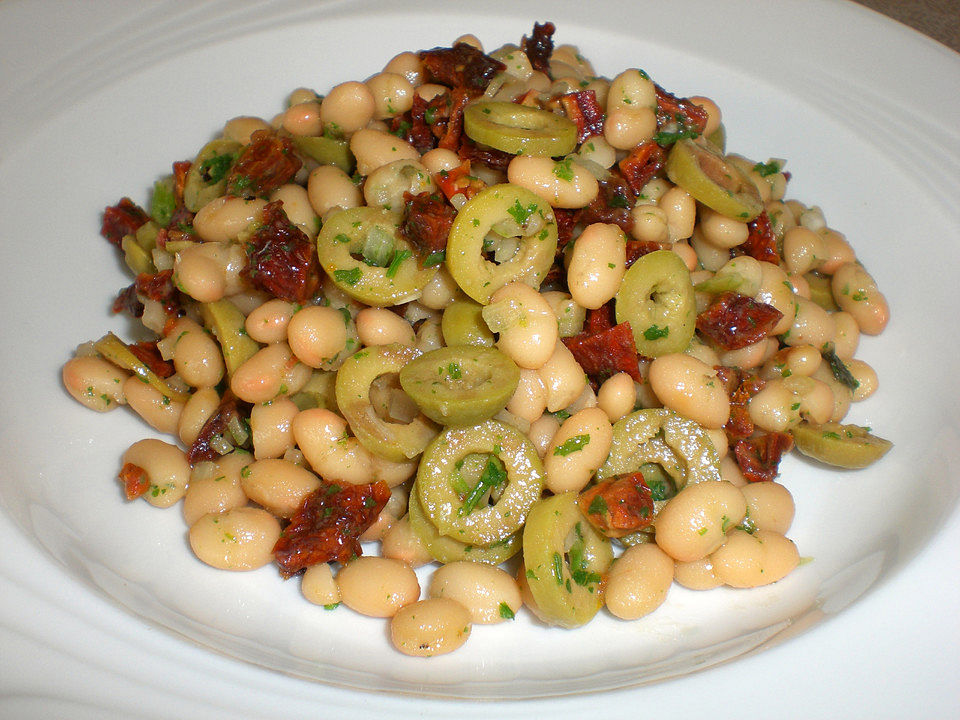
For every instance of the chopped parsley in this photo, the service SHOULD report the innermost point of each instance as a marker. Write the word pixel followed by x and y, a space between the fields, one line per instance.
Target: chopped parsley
pixel 493 476
pixel 350 277
pixel 655 332
pixel 398 257
pixel 506 612
pixel 572 445
pixel 435 258
pixel 520 213
pixel 564 170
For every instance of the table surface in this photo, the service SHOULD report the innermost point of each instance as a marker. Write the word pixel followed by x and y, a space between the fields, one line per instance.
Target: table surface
pixel 939 19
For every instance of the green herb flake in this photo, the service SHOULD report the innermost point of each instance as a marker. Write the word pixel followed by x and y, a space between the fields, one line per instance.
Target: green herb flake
pixel 350 277
pixel 563 170
pixel 435 258
pixel 557 568
pixel 598 506
pixel 655 332
pixel 398 257
pixel 572 445
pixel 506 612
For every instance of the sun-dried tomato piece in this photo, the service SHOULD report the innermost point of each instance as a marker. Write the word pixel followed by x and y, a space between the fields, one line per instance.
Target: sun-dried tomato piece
pixel 460 66
pixel 611 205
pixel 761 243
pixel 454 127
pixel 643 162
pixel 202 448
pixel 328 525
pixel 582 107
pixel 157 286
pixel 181 169
pixel 740 425
pixel 618 506
pixel 281 259
pixel 147 353
pixel 638 248
pixel 266 163
pixel 124 218
pixel 491 157
pixel 128 302
pixel 135 480
pixel 678 117
pixel 606 353
pixel 759 457
pixel 600 319
pixel 427 223
pixel 733 321
pixel 458 181
pixel 539 46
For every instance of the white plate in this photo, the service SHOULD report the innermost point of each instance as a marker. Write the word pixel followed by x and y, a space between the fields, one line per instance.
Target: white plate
pixel 106 613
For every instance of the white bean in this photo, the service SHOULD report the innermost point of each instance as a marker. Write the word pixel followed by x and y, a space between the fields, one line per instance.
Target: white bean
pixel 597 265
pixel 638 581
pixel 577 450
pixel 237 539
pixel 430 627
pixel 95 382
pixel 377 587
pixel 691 388
pixel 563 184
pixel 695 522
pixel 751 560
pixel 166 468
pixel 490 594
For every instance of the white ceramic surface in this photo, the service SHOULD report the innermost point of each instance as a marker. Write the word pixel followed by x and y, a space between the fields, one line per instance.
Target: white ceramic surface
pixel 106 613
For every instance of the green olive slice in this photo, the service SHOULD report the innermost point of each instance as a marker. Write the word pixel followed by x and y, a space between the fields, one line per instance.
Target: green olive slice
pixel 395 441
pixel 325 150
pixel 564 559
pixel 207 177
pixel 720 185
pixel 462 324
pixel 463 512
pixel 461 385
pixel 680 448
pixel 363 253
pixel 657 298
pixel 478 277
pixel 447 550
pixel 519 129
pixel 226 321
pixel 846 446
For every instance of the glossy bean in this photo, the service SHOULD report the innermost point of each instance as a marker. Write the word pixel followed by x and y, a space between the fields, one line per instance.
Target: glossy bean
pixel 563 184
pixel 597 265
pixel 770 506
pixel 430 627
pixel 751 560
pixel 223 218
pixel 316 334
pixel 377 587
pixel 237 539
pixel 375 148
pixel 319 586
pixel 167 469
pixel 95 382
pixel 157 410
pixel 695 522
pixel 638 581
pixel 348 107
pixel 580 446
pixel 691 388
pixel 488 593
pixel 212 489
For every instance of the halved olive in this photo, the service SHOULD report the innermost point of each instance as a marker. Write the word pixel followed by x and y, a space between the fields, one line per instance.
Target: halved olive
pixel 460 385
pixel 462 324
pixel 564 559
pixel 846 446
pixel 519 129
pixel 207 178
pixel 720 185
pixel 656 297
pixel 395 441
pixel 326 151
